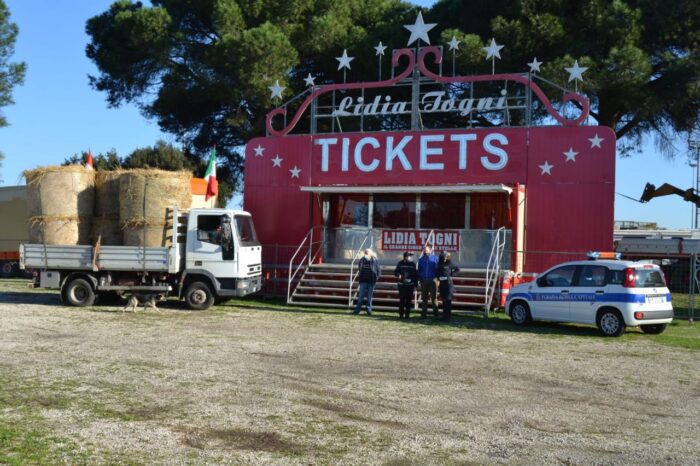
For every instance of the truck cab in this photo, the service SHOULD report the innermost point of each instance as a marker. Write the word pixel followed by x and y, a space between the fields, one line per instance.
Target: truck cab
pixel 222 252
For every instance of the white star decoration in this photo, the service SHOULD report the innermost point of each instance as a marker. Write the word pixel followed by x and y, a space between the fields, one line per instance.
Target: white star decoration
pixel 344 61
pixel 595 141
pixel 276 90
pixel 534 65
pixel 576 72
pixel 570 155
pixel 493 50
pixel 454 43
pixel 295 172
pixel 259 150
pixel 546 168
pixel 419 30
pixel 309 80
pixel 277 161
pixel 379 49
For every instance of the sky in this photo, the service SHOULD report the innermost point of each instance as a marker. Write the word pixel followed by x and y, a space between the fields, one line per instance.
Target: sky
pixel 57 114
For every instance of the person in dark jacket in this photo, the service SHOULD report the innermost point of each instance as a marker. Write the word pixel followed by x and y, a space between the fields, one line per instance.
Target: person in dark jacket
pixel 427 272
pixel 368 274
pixel 446 270
pixel 408 278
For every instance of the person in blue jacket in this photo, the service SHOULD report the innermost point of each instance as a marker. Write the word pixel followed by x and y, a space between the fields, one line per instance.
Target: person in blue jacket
pixel 427 272
pixel 368 274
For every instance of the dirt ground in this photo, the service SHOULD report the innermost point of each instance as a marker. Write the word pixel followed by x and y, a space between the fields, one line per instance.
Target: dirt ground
pixel 283 386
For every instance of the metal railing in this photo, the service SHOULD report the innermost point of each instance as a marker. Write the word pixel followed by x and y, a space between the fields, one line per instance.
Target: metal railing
pixel 493 269
pixel 353 277
pixel 307 258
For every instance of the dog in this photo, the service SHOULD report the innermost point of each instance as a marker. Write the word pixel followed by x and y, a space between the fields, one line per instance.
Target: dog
pixel 147 300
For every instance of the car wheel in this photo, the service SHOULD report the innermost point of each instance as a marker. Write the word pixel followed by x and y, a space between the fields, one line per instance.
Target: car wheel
pixel 520 313
pixel 611 323
pixel 79 293
pixel 199 296
pixel 653 329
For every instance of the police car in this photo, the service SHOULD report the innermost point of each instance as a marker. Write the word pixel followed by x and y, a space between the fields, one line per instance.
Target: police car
pixel 604 291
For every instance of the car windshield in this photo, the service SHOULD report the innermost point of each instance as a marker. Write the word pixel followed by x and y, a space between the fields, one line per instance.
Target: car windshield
pixel 649 278
pixel 246 231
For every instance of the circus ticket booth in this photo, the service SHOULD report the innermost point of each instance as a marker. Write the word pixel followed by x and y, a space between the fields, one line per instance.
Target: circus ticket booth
pixel 484 167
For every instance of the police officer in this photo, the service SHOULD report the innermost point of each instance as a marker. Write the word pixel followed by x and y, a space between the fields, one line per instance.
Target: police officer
pixel 445 271
pixel 408 278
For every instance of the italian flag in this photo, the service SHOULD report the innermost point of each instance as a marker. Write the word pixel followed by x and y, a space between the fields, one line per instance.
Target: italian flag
pixel 210 177
pixel 88 163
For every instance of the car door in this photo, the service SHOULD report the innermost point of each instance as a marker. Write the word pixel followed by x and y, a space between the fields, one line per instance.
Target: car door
pixel 213 246
pixel 588 292
pixel 552 294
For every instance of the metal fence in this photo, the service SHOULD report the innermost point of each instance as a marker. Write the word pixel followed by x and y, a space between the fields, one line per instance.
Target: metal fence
pixel 682 272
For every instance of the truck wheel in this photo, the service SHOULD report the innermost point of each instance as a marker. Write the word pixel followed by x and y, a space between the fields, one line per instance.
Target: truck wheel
pixel 199 296
pixel 653 329
pixel 611 323
pixel 80 293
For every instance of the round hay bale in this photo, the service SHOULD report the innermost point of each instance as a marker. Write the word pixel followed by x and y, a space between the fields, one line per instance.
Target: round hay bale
pixel 60 203
pixel 105 224
pixel 145 195
pixel 58 230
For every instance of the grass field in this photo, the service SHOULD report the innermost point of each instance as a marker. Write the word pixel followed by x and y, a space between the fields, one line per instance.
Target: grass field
pixel 258 382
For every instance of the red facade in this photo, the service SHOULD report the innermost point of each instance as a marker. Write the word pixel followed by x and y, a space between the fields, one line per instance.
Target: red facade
pixel 564 176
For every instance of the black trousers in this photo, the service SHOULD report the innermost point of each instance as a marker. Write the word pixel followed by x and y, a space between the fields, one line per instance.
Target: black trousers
pixel 446 309
pixel 428 292
pixel 405 300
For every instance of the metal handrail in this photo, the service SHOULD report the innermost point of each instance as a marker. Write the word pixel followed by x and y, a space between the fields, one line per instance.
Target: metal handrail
pixel 493 269
pixel 309 236
pixel 352 266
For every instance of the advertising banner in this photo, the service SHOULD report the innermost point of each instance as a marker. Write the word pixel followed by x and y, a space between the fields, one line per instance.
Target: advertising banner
pixel 414 240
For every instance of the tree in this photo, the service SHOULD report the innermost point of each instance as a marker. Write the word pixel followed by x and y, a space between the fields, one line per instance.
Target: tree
pixel 202 68
pixel 643 55
pixel 162 156
pixel 107 161
pixel 11 74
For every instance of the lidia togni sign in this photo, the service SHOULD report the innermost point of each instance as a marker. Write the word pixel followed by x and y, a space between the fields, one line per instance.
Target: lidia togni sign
pixel 412 240
pixel 431 102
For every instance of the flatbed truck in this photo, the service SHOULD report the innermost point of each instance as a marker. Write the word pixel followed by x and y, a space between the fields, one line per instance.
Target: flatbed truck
pixel 213 255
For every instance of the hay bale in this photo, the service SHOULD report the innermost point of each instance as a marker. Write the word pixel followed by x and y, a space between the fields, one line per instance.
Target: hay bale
pixel 105 224
pixel 60 203
pixel 144 199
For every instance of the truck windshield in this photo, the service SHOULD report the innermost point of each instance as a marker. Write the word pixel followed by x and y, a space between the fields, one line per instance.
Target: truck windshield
pixel 246 231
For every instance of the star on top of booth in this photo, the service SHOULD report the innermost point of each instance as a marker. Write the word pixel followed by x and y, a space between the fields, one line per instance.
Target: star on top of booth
pixel 419 30
pixel 276 90
pixel 344 60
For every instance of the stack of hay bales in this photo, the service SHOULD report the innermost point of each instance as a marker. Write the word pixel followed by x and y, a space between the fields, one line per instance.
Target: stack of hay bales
pixel 145 196
pixel 105 224
pixel 60 203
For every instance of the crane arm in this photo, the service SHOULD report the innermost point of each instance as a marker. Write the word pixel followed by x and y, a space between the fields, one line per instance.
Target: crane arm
pixel 651 191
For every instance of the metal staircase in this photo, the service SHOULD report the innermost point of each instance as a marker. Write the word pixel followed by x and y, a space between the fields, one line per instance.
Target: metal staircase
pixel 334 285
pixel 326 285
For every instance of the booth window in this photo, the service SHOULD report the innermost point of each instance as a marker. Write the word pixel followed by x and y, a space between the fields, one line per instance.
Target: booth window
pixel 490 211
pixel 349 210
pixel 442 211
pixel 394 211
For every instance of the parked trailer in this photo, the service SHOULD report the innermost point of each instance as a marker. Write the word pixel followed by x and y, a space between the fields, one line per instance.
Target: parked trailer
pixel 13 211
pixel 214 255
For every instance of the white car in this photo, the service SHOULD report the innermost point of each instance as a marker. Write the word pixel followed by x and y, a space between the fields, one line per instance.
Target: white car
pixel 611 294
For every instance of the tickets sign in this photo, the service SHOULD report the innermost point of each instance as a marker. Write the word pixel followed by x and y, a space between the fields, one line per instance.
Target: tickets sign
pixel 415 240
